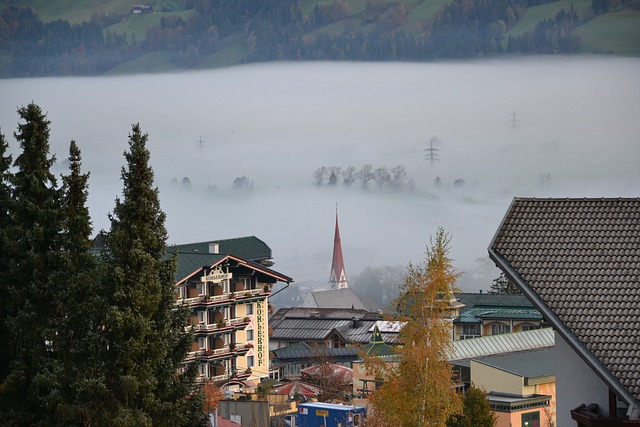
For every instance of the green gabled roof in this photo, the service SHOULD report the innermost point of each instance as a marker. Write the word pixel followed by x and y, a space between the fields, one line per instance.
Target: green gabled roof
pixel 377 346
pixel 249 248
pixel 478 313
pixel 188 263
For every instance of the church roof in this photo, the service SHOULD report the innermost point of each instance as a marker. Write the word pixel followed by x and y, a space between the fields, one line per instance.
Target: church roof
pixel 333 298
pixel 338 276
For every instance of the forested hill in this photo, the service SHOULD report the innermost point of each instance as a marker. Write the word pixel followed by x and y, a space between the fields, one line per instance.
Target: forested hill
pixel 93 37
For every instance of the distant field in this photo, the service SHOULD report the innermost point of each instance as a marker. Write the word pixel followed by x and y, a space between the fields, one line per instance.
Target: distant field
pixel 138 25
pixel 426 10
pixel 536 14
pixel 615 32
pixel 76 11
pixel 232 52
pixel 155 62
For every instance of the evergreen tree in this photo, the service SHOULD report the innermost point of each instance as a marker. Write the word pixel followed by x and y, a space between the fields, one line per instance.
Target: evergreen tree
pixel 80 385
pixel 33 280
pixel 5 222
pixel 503 285
pixel 418 388
pixel 145 338
pixel 476 411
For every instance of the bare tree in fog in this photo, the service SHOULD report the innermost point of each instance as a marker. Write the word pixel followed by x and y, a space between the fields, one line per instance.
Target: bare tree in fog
pixel 382 177
pixel 365 175
pixel 243 183
pixel 319 175
pixel 398 177
pixel 349 175
pixel 186 183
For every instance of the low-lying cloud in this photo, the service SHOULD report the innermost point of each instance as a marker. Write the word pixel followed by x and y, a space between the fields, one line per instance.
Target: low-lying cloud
pixel 540 127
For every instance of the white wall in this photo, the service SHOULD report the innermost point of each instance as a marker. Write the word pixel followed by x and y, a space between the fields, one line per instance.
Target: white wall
pixel 576 384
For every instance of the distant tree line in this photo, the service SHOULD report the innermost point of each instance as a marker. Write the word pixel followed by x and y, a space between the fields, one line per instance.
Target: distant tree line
pixel 278 30
pixel 394 179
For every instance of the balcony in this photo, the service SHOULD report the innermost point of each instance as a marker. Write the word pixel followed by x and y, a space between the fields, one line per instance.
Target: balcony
pixel 230 350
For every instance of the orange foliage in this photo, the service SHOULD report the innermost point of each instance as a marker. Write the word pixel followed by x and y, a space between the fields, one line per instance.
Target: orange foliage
pixel 212 394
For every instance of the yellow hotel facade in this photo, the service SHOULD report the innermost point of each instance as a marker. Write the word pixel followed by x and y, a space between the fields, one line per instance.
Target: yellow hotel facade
pixel 225 286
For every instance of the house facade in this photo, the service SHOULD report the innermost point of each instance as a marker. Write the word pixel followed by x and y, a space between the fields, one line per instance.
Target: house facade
pixel 225 286
pixel 485 314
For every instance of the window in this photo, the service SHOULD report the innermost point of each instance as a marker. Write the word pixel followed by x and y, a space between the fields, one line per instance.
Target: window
pixel 529 327
pixel 246 282
pixel 201 316
pixel 181 292
pixel 469 331
pixel 499 328
pixel 202 369
pixel 250 362
pixel 249 334
pixel 200 288
pixel 531 419
pixel 202 343
pixel 249 309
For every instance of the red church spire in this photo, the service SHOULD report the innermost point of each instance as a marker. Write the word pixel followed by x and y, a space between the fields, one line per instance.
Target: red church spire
pixel 338 277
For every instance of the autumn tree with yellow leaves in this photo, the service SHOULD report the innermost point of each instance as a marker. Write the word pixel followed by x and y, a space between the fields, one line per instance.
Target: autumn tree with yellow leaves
pixel 418 387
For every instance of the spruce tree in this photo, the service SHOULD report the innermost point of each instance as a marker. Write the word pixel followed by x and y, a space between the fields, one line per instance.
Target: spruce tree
pixel 5 222
pixel 33 279
pixel 81 385
pixel 504 286
pixel 145 338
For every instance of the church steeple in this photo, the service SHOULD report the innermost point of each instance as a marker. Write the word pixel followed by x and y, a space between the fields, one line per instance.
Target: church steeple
pixel 338 277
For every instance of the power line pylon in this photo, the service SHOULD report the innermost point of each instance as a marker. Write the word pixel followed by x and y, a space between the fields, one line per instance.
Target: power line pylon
pixel 513 119
pixel 432 153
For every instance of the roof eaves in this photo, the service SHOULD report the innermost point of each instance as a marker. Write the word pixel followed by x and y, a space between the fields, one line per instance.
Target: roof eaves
pixel 557 324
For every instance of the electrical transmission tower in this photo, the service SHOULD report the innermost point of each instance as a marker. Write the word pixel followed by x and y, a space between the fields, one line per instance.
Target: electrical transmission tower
pixel 513 119
pixel 200 143
pixel 432 153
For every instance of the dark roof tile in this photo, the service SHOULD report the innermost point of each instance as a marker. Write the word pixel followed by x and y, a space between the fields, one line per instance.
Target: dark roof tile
pixel 580 257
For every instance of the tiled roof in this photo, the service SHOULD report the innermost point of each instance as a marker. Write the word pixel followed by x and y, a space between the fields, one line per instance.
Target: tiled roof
pixel 578 260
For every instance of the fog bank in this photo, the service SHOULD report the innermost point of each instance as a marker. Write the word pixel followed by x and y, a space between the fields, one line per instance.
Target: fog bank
pixel 542 127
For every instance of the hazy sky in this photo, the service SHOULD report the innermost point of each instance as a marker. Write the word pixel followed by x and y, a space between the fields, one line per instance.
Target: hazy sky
pixel 578 120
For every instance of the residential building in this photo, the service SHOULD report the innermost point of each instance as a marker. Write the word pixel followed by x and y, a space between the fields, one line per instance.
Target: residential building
pixel 225 285
pixel 322 327
pixel 517 370
pixel 485 314
pixel 578 262
pixel 521 386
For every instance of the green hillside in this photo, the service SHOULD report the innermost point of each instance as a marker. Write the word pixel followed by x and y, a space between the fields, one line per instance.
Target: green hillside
pixel 239 31
pixel 612 33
